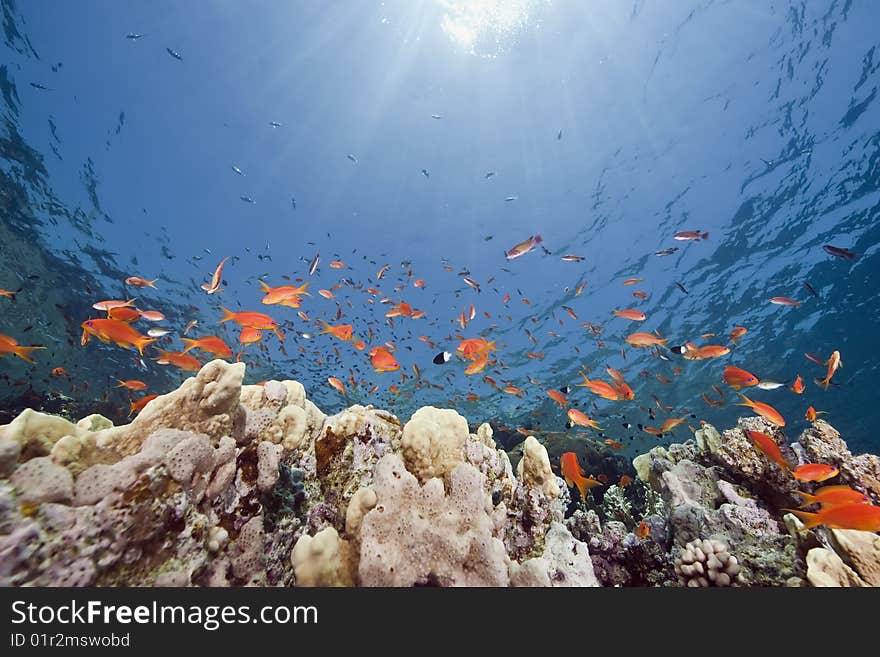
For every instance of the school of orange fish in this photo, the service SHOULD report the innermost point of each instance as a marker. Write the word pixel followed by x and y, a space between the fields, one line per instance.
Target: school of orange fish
pixel 839 506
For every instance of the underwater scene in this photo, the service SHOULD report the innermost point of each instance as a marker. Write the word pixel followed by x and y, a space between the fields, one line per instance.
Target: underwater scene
pixel 440 293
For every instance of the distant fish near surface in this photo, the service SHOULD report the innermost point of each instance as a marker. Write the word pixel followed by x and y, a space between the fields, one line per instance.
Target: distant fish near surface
pixel 691 235
pixel 810 289
pixel 681 287
pixel 784 301
pixel 839 252
pixel 489 174
pixel 352 158
pixel 436 116
pixel 174 54
pixel 237 170
pixel 133 36
pixel 314 264
pixel 511 198
pixel 425 173
pixel 666 252
pixel 524 247
pixel 275 124
pixel 247 199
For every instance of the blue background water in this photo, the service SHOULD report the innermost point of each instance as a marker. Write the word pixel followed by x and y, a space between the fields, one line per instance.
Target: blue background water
pixel 754 121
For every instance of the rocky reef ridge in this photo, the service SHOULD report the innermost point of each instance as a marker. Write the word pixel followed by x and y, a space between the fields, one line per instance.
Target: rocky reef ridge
pixel 223 484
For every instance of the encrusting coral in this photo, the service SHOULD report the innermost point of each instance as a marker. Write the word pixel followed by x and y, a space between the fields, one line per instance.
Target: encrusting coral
pixel 223 484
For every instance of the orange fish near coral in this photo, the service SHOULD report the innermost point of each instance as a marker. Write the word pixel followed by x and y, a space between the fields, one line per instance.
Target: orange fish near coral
pixel 767 446
pixel 574 475
pixel 764 410
pixel 671 423
pixel 249 335
pixel 863 517
pixel 833 364
pixel 815 472
pixel 738 378
pixel 812 414
pixel 336 383
pixel 382 360
pixel 253 320
pixel 643 530
pixel 180 360
pixel 132 384
pixel 119 333
pixel 798 385
pixel 580 419
pixel 211 344
pixel 833 496
pixel 138 406
pixel 601 388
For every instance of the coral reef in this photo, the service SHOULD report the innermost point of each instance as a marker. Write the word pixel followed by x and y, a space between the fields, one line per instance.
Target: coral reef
pixel 223 484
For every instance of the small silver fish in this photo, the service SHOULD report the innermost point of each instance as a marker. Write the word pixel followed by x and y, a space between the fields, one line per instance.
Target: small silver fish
pixel 157 333
pixel 237 170
pixel 489 174
pixel 770 385
pixel 275 124
pixel 174 54
pixel 352 158
pixel 511 198
pixel 436 116
pixel 247 199
pixel 314 265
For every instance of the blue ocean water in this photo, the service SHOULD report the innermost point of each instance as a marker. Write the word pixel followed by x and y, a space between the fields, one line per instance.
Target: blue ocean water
pixel 155 139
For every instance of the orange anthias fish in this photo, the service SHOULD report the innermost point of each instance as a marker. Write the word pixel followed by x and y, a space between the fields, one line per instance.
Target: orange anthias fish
pixel 59 371
pixel 253 320
pixel 798 385
pixel 337 264
pixel 601 388
pixel 632 281
pixel 382 360
pixel 558 397
pixel 784 301
pixel 574 475
pixel 119 333
pixel 643 530
pixel 138 406
pixel 478 363
pixel 624 391
pixel 473 347
pixel 109 305
pixel 737 333
pixel 738 378
pixel 864 517
pixel 9 294
pixel 180 360
pixel 524 247
pixel 124 314
pixel 644 340
pixel 132 384
pixel 249 335
pixel 707 351
pixel 764 410
pixel 137 281
pixel 613 444
pixel 341 331
pixel 152 315
pixel 634 315
pixel 216 279
pixel 767 446
pixel 402 309
pixel 581 419
pixel 833 496
pixel 210 343
pixel 815 472
pixel 284 295
pixel 625 480
pixel 671 423
pixel 812 414
pixel 336 383
pixel 833 364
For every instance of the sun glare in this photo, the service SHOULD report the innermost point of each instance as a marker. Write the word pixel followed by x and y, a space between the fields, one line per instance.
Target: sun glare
pixel 487 28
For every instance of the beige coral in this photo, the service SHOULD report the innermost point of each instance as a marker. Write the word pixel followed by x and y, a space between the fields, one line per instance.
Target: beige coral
pixel 534 468
pixel 433 441
pixel 323 560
